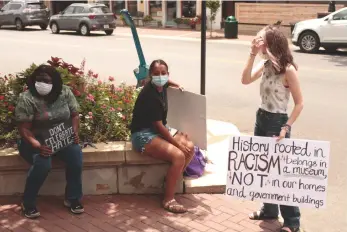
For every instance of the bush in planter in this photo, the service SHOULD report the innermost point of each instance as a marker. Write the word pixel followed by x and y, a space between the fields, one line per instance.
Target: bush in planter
pixel 147 19
pixel 105 108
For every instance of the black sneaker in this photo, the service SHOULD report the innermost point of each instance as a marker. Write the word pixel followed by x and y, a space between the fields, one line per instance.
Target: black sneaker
pixel 75 206
pixel 31 212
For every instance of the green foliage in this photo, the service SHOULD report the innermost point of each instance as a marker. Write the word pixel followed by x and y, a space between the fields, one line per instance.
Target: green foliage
pixel 106 109
pixel 214 6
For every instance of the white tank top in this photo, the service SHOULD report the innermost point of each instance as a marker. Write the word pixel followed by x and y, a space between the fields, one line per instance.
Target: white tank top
pixel 274 95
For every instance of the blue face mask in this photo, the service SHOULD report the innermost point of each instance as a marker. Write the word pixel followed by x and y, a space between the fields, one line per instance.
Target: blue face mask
pixel 160 81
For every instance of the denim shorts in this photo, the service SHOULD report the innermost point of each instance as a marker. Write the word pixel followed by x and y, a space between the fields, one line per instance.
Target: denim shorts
pixel 142 138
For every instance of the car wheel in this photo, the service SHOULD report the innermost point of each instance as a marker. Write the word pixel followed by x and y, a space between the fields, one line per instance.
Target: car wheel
pixel 55 28
pixel 330 49
pixel 19 25
pixel 109 32
pixel 309 42
pixel 84 30
pixel 43 26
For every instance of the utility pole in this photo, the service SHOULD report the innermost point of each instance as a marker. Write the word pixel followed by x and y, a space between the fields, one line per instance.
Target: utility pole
pixel 203 48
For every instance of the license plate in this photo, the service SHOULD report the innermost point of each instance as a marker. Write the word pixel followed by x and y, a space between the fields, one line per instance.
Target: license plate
pixel 106 26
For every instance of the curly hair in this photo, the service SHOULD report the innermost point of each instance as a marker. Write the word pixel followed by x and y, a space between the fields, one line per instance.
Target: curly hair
pixel 57 82
pixel 277 47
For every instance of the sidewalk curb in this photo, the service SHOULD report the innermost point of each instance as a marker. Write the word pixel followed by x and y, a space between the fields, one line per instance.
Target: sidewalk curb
pixel 180 38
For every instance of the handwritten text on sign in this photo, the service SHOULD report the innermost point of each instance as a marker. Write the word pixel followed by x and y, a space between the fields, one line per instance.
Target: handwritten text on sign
pixel 59 136
pixel 291 172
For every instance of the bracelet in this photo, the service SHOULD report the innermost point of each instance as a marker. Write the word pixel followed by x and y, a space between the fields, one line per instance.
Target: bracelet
pixel 286 127
pixel 252 54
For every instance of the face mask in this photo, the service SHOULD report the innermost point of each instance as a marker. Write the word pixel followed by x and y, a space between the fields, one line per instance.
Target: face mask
pixel 42 88
pixel 160 81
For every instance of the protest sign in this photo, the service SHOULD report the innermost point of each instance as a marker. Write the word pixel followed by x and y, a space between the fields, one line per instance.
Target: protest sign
pixel 291 172
pixel 58 136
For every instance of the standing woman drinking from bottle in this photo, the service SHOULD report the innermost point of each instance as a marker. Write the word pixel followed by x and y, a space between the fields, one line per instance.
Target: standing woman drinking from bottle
pixel 279 80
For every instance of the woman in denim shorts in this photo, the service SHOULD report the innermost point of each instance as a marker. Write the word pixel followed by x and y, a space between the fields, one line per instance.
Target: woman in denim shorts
pixel 151 136
pixel 279 80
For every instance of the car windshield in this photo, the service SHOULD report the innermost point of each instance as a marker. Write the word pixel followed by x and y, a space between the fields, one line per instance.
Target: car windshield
pixel 100 10
pixel 36 6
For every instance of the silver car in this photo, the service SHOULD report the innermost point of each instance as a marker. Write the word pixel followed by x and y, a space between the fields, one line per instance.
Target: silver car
pixel 22 13
pixel 84 18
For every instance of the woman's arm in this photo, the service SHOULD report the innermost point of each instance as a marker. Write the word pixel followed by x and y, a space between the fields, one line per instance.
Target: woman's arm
pixel 173 84
pixel 158 125
pixel 294 86
pixel 292 80
pixel 249 74
pixel 25 132
pixel 75 122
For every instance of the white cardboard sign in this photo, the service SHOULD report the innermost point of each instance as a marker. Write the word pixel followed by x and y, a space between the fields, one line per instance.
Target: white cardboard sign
pixel 292 172
pixel 187 113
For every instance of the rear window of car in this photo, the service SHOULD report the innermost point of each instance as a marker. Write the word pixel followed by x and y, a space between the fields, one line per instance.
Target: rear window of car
pixel 36 6
pixel 100 10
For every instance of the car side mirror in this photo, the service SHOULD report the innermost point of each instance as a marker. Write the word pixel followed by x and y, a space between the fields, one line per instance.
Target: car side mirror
pixel 329 19
pixel 1 10
pixel 61 12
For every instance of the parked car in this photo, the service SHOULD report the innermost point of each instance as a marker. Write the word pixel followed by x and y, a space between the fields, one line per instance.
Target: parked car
pixel 84 18
pixel 329 32
pixel 22 13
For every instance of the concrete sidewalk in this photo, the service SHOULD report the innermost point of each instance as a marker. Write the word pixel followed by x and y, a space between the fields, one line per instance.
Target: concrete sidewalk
pixel 185 35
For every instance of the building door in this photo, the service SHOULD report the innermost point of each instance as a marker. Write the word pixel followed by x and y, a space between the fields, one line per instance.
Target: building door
pixel 132 8
pixel 171 12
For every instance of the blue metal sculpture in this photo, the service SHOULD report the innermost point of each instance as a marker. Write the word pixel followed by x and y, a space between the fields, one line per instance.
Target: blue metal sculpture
pixel 141 73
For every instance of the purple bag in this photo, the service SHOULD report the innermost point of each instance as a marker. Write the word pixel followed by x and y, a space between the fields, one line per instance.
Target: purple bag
pixel 196 167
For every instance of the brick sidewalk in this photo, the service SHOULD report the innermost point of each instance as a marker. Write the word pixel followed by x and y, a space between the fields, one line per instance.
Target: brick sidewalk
pixel 118 213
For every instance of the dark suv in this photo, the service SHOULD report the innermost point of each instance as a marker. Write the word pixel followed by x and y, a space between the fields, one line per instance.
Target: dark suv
pixel 24 13
pixel 84 18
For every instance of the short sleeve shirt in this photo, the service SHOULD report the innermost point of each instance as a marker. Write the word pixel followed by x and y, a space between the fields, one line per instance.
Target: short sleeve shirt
pixel 150 106
pixel 32 109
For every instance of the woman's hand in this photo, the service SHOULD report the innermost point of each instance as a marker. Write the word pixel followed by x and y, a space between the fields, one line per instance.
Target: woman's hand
pixel 282 135
pixel 184 148
pixel 256 44
pixel 76 138
pixel 45 151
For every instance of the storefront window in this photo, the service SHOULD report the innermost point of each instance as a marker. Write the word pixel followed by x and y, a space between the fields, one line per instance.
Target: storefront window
pixel 132 7
pixel 189 9
pixel 155 8
pixel 118 6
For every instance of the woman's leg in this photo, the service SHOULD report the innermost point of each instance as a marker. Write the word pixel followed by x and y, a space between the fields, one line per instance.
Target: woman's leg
pixel 161 149
pixel 184 139
pixel 72 156
pixel 268 211
pixel 40 167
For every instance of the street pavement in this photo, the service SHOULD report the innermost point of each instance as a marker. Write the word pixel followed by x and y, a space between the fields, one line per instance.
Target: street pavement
pixel 323 79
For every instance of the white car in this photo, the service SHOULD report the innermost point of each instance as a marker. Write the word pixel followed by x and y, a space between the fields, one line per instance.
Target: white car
pixel 329 32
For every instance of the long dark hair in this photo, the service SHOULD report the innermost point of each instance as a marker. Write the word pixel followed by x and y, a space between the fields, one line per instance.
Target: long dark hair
pixel 154 62
pixel 57 82
pixel 277 48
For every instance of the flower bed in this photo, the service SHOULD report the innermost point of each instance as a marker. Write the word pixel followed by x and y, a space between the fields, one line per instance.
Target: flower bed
pixel 105 112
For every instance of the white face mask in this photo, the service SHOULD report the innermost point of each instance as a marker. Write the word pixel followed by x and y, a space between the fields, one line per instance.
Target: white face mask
pixel 42 88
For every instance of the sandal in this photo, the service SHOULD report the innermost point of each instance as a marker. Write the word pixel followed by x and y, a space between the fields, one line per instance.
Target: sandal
pixel 259 215
pixel 173 207
pixel 289 229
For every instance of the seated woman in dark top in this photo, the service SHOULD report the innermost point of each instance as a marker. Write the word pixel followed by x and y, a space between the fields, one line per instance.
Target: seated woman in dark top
pixel 151 136
pixel 46 103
